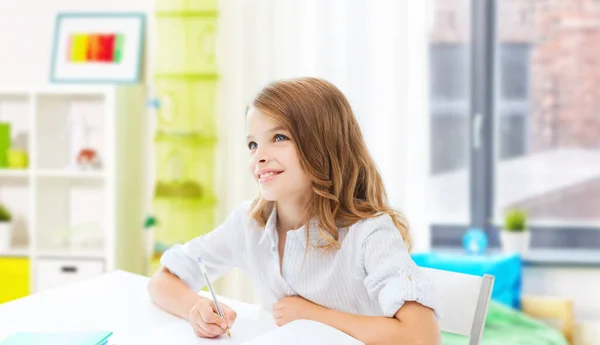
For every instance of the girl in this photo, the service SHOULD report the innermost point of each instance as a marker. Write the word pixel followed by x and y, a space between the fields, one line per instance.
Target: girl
pixel 319 242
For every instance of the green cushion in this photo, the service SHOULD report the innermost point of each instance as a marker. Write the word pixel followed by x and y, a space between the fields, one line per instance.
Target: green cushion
pixel 507 326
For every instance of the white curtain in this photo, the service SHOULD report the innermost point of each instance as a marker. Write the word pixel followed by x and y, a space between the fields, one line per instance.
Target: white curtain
pixel 374 51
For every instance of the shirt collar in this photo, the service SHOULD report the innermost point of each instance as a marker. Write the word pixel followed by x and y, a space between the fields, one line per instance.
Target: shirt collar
pixel 270 231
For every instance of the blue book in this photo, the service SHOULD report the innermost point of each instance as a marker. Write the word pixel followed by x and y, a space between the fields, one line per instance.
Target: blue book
pixel 58 338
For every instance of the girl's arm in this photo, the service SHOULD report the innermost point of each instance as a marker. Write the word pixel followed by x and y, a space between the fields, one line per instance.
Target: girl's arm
pixel 413 324
pixel 171 293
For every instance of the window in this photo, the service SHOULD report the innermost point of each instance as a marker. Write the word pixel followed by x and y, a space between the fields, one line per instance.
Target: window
pixel 514 120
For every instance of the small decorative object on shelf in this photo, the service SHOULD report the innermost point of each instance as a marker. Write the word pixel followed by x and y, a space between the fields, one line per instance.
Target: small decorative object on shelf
pixel 79 237
pixel 178 189
pixel 89 159
pixel 87 236
pixel 5 229
pixel 515 236
pixel 4 143
pixel 475 241
pixel 17 155
pixel 17 159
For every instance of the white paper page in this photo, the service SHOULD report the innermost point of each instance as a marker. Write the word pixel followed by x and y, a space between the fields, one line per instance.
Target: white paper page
pixel 302 332
pixel 180 332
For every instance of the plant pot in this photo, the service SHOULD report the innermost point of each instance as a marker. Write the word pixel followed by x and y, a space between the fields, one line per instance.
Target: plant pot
pixel 5 236
pixel 515 242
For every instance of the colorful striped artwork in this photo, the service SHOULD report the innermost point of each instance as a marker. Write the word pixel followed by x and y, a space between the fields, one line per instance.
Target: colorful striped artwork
pixel 95 47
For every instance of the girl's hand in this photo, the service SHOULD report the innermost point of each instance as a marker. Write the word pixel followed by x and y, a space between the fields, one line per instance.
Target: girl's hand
pixel 293 308
pixel 206 321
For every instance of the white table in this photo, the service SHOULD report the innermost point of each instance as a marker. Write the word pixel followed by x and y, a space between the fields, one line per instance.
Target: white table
pixel 117 302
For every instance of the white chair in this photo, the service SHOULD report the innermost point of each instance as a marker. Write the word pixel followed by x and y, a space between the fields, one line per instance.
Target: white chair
pixel 462 302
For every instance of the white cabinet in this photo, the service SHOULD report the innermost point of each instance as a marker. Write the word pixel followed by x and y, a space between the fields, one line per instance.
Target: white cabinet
pixel 74 223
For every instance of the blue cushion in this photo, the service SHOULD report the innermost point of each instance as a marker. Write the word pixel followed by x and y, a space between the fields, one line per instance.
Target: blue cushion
pixel 506 269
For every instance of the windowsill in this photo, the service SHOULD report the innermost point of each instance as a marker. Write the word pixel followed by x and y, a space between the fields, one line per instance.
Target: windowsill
pixel 543 257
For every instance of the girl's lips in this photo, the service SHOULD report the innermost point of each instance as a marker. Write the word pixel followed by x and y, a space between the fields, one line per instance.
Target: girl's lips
pixel 264 178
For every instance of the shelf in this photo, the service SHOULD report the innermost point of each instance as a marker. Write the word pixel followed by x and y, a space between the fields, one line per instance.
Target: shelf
pixel 17 251
pixel 87 254
pixel 12 173
pixel 26 90
pixel 68 215
pixel 203 201
pixel 65 174
pixel 71 174
pixel 191 137
pixel 16 93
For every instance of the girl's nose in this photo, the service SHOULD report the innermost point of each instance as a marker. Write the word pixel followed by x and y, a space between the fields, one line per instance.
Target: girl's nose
pixel 262 154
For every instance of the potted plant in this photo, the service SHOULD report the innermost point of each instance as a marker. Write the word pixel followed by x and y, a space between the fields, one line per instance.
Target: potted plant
pixel 5 229
pixel 515 236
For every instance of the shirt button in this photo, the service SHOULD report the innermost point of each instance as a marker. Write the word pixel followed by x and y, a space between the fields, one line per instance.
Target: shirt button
pixel 409 277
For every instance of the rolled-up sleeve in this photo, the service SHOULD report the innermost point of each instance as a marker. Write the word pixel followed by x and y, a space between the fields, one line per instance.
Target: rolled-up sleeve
pixel 392 277
pixel 218 249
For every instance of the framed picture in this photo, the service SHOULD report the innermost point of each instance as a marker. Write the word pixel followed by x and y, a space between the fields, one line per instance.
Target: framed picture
pixel 98 48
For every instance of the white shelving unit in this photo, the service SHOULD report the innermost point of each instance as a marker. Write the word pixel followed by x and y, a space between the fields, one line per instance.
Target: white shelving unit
pixel 75 224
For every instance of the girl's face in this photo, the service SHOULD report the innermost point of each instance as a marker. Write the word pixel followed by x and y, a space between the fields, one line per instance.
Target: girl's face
pixel 274 161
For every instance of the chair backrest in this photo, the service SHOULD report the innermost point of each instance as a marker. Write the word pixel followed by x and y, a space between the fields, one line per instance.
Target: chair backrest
pixel 462 301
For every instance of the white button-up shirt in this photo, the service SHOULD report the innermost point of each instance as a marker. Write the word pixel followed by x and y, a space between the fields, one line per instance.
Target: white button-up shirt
pixel 371 274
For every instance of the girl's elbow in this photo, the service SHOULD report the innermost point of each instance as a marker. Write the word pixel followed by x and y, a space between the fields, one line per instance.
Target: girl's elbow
pixel 155 283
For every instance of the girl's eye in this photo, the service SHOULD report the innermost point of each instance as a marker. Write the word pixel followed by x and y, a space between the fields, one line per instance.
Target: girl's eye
pixel 252 145
pixel 280 137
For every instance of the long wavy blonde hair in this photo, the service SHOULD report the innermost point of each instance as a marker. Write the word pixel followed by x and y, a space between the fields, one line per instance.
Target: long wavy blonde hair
pixel 346 183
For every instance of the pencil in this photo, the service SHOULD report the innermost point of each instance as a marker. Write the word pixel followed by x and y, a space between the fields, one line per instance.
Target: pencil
pixel 212 292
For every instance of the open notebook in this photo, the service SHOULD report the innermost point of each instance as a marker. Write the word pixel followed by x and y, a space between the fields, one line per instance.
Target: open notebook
pixel 255 332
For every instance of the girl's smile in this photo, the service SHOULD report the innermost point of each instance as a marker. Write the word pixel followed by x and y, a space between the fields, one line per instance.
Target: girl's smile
pixel 266 175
